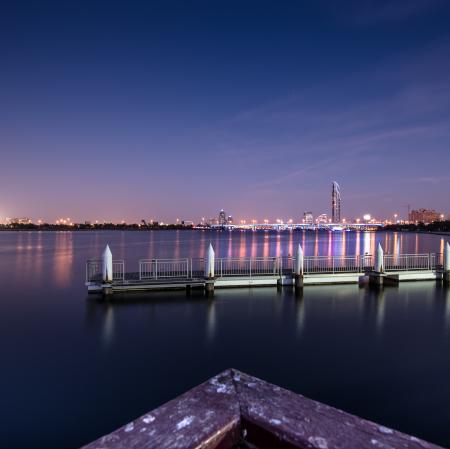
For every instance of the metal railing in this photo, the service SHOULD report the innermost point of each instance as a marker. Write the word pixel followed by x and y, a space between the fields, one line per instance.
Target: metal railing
pixel 118 270
pixel 337 264
pixel 409 262
pixel 257 266
pixel 190 268
pixel 165 268
pixel 438 260
pixel 94 272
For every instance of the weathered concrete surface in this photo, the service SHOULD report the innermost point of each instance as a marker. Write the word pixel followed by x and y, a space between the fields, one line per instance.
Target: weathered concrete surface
pixel 234 407
pixel 275 417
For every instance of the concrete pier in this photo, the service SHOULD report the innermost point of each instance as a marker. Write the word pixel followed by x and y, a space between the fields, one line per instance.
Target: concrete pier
pixel 233 410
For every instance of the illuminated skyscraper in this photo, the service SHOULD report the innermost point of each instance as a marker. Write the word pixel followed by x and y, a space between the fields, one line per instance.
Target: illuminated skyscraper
pixel 335 203
pixel 222 218
pixel 308 218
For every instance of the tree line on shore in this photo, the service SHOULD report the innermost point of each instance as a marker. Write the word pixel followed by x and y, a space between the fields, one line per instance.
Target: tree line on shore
pixel 436 226
pixel 91 227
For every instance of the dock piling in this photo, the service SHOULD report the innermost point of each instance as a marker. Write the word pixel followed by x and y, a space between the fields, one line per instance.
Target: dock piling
pixel 376 276
pixel 209 270
pixel 107 265
pixel 379 263
pixel 446 273
pixel 299 267
pixel 107 271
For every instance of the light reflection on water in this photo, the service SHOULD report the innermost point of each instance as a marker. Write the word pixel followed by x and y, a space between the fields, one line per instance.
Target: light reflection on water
pixel 67 361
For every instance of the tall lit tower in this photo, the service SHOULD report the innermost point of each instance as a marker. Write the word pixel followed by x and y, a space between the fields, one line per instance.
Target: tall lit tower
pixel 335 203
pixel 222 218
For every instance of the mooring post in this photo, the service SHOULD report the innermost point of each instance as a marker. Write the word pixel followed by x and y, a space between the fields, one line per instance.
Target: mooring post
pixel 446 274
pixel 376 277
pixel 209 270
pixel 107 270
pixel 379 259
pixel 299 265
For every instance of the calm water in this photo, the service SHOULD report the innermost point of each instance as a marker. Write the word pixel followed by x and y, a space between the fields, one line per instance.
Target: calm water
pixel 73 369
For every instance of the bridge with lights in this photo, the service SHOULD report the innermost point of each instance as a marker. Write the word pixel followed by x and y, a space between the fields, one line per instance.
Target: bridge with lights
pixel 289 226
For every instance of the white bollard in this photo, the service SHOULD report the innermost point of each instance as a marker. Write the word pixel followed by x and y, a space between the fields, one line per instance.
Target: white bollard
pixel 447 257
pixel 379 262
pixel 209 265
pixel 299 261
pixel 107 265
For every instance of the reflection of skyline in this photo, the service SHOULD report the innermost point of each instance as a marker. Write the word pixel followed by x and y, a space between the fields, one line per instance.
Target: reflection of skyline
pixel 358 243
pixel 211 320
pixel 300 314
pixel 63 258
pixel 268 244
pixel 33 249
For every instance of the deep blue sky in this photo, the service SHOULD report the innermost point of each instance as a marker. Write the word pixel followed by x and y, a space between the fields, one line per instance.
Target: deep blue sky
pixel 129 110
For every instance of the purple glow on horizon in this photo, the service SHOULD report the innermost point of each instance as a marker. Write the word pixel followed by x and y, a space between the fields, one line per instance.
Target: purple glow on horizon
pixel 177 111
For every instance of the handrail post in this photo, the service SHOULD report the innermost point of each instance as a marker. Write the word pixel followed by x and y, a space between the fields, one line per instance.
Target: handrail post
pixel 156 268
pixel 250 267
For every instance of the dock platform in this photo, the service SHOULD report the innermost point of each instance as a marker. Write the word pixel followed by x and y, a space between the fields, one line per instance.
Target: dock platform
pixel 108 276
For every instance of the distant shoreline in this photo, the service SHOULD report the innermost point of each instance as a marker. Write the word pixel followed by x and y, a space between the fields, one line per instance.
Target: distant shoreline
pixel 160 228
pixel 144 228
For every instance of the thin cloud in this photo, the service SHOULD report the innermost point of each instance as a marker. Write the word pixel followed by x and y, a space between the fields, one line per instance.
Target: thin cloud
pixel 367 12
pixel 435 179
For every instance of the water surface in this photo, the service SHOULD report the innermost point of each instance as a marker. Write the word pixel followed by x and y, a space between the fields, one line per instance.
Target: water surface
pixel 73 369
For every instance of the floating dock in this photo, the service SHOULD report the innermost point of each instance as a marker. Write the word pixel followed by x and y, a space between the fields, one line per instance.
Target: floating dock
pixel 108 276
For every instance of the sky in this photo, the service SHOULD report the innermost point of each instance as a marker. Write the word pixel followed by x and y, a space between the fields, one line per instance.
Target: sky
pixel 176 109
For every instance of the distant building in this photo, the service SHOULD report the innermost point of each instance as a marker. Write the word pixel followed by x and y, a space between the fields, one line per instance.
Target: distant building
pixel 230 219
pixel 335 203
pixel 424 216
pixel 213 221
pixel 308 218
pixel 19 221
pixel 222 218
pixel 322 219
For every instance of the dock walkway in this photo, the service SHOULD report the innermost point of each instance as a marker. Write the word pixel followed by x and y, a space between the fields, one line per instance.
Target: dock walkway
pixel 107 275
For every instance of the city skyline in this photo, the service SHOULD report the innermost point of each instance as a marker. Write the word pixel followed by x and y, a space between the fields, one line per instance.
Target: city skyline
pixel 171 112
